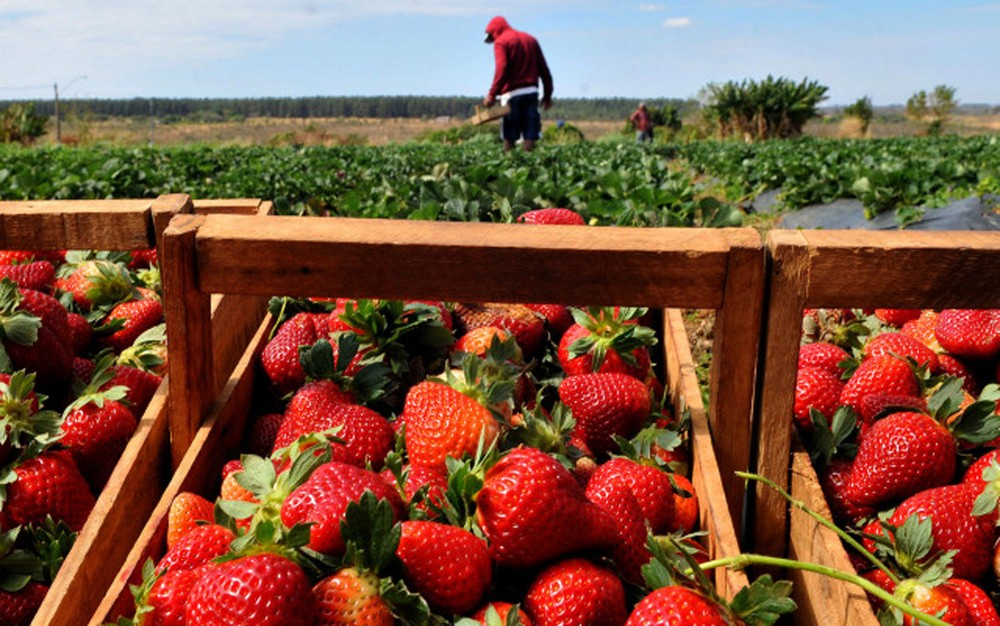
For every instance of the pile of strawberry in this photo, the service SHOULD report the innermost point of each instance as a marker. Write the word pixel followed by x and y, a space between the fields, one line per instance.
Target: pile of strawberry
pixel 435 463
pixel 899 411
pixel 82 351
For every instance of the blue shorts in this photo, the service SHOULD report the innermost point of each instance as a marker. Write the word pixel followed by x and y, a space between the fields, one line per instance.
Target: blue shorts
pixel 523 121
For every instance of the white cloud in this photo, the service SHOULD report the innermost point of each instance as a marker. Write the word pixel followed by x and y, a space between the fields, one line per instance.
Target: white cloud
pixel 651 8
pixel 677 22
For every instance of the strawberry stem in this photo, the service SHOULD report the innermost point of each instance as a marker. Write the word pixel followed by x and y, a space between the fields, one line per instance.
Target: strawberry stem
pixel 741 561
pixel 799 504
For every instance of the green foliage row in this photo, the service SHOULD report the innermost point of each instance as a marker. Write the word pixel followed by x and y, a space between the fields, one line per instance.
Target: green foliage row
pixel 896 174
pixel 607 183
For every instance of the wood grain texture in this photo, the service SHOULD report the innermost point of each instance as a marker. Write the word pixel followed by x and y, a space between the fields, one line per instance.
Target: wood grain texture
pixel 462 261
pixel 237 206
pixel 716 515
pixel 75 224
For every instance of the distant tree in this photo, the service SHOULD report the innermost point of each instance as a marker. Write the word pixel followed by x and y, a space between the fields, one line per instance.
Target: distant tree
pixel 935 107
pixel 863 111
pixel 668 116
pixel 19 123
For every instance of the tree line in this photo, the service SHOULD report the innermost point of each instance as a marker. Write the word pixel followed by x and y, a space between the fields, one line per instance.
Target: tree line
pixel 209 109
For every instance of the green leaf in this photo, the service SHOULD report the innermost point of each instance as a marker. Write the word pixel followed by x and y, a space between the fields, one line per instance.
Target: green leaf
pixel 764 601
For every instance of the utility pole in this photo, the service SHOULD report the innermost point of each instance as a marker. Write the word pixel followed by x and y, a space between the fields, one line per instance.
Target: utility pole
pixel 55 86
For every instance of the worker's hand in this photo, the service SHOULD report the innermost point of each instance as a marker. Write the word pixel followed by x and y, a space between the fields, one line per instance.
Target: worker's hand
pixel 489 101
pixel 546 103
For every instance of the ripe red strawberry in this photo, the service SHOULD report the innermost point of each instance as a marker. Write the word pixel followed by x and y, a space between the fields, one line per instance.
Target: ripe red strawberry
pixel 922 329
pixel 679 606
pixel 14 257
pixel 686 509
pixel 501 609
pixel 80 331
pixel 833 481
pixel 48 484
pixel 37 275
pixel 97 282
pixel 478 340
pixel 532 510
pixel 557 318
pixel 606 340
pixel 880 374
pixel 136 316
pixel 903 345
pixel 441 421
pixel 351 597
pixel 320 406
pixel 941 601
pixel 17 608
pixel 823 355
pixel 954 366
pixel 969 333
pixel 605 405
pixel 324 497
pixel 630 552
pixel 875 406
pixel 815 388
pixel 900 455
pixel 187 511
pixel 143 258
pixel 449 566
pixel 258 590
pixel 197 547
pixel 167 598
pixel 280 357
pixel 527 326
pixel 649 485
pixel 40 341
pixel 979 603
pixel 954 526
pixel 96 429
pixel 551 215
pixel 897 317
pixel 416 477
pixel 140 386
pixel 263 432
pixel 576 591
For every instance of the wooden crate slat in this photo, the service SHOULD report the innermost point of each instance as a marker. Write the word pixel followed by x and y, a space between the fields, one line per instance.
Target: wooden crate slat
pixel 58 225
pixel 470 262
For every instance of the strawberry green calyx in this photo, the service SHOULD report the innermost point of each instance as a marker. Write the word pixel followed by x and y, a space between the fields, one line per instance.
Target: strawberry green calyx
pixel 91 392
pixel 548 431
pixel 20 419
pixel 611 329
pixel 16 325
pixel 148 352
pixel 979 422
pixel 834 438
pixel 18 567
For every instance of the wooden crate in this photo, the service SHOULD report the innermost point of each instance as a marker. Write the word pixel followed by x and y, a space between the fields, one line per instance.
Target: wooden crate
pixel 663 268
pixel 488 114
pixel 144 468
pixel 840 269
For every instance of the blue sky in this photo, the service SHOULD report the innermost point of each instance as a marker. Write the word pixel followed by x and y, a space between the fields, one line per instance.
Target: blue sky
pixel 886 50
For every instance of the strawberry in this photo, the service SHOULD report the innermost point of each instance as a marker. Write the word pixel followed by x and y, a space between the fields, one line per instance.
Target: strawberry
pixel 420 480
pixel 558 318
pixel 969 333
pixel 686 509
pixel 815 388
pixel 900 455
pixel 679 606
pixel 551 215
pixel 532 510
pixel 97 282
pixel 477 340
pixel 977 601
pixel 167 598
pixel 649 485
pixel 940 600
pixel 143 258
pixel 495 614
pixel 896 317
pixel 15 257
pixel 441 421
pixel 48 484
pixel 36 335
pixel 527 326
pixel 140 386
pixel 605 405
pixel 576 591
pixel 130 319
pixel 629 552
pixel 187 511
pixel 257 590
pixel 879 374
pixel 823 355
pixel 197 547
pixel 606 340
pixel 263 432
pixel 954 366
pixel 922 329
pixel 904 346
pixel 323 500
pixel 351 597
pixel 22 422
pixel 955 526
pixel 321 406
pixel 833 481
pixel 447 565
pixel 80 332
pixel 280 357
pixel 96 429
pixel 875 406
pixel 17 608
pixel 37 275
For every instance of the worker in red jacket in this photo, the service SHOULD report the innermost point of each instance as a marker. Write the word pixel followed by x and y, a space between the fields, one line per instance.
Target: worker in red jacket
pixel 520 64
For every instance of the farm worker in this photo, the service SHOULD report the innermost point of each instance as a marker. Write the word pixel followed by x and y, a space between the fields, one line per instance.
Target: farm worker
pixel 519 66
pixel 642 123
